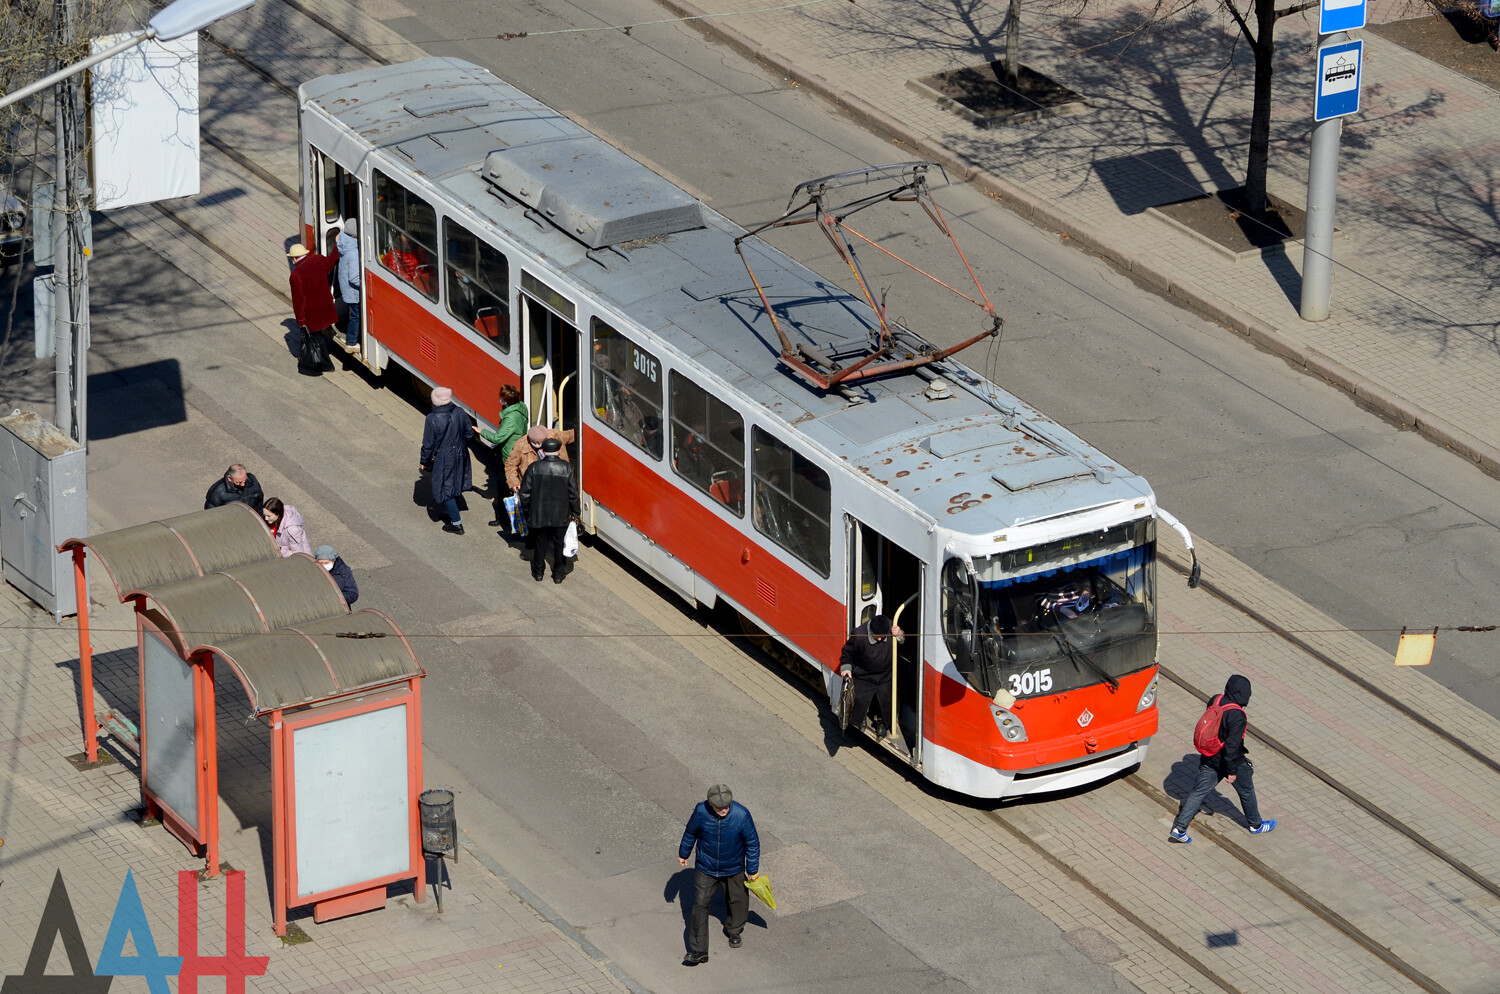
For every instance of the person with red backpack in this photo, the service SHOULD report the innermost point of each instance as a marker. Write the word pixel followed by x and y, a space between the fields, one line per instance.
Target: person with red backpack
pixel 1220 740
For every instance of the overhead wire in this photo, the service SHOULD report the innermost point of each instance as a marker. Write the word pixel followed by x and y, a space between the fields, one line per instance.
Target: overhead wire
pixel 1100 140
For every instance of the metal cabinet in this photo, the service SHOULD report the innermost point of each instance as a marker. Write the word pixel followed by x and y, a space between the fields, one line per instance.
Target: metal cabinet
pixel 43 502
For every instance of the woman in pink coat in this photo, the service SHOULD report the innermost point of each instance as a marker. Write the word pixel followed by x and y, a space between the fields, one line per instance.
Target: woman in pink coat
pixel 286 526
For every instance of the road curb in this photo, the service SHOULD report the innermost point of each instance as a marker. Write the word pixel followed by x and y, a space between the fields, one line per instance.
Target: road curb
pixel 1019 200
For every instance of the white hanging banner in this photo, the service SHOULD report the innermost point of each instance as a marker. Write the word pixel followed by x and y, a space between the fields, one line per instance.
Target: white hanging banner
pixel 144 117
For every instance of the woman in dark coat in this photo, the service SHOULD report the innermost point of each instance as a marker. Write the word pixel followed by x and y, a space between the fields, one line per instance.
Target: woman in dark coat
pixel 445 451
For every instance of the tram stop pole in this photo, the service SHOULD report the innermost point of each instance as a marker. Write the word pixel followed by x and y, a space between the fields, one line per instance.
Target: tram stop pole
pixel 1322 196
pixel 1336 94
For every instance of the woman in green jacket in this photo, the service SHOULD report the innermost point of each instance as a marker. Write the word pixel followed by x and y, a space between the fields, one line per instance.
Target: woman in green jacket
pixel 511 430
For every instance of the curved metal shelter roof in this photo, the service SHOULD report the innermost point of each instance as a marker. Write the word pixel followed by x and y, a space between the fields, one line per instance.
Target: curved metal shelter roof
pixel 218 584
pixel 144 557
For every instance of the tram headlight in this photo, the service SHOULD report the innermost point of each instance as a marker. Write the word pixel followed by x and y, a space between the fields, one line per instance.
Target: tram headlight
pixel 1148 698
pixel 1010 726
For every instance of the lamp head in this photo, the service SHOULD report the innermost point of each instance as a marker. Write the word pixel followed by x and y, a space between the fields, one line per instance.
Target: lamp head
pixel 186 16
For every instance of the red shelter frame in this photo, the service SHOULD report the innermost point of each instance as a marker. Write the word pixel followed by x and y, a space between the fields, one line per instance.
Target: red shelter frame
pixel 283 629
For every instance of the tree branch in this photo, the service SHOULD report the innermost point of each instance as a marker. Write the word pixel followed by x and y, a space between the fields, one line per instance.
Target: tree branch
pixel 1235 13
pixel 1296 8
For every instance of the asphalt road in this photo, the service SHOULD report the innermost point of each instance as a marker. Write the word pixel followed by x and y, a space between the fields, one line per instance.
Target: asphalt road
pixel 1369 522
pixel 586 760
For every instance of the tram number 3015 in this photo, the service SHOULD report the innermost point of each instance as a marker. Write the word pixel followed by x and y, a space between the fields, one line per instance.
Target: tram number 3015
pixel 1026 684
pixel 644 364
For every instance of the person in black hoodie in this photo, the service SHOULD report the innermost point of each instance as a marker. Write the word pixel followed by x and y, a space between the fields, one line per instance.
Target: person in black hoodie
pixel 1229 763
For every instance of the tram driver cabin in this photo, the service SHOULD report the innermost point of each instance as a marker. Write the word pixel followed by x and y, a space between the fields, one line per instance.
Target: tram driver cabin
pixel 503 243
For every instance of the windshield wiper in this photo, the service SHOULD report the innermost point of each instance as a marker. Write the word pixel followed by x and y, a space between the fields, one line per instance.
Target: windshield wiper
pixel 1077 655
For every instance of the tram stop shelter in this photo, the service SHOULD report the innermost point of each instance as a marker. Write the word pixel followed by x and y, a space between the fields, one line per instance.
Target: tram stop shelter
pixel 340 691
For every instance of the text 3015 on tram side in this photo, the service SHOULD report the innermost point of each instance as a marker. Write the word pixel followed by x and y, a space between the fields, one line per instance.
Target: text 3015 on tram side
pixel 748 432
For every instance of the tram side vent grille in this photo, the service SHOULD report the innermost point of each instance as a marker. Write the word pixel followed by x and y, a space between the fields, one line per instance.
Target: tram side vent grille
pixel 766 591
pixel 428 350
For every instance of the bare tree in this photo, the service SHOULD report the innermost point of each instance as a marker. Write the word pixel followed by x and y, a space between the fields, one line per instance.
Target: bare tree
pixel 34 46
pixel 1256 21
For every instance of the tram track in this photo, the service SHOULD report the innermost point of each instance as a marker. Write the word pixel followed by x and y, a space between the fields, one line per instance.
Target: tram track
pixel 1406 711
pixel 1293 892
pixel 1298 894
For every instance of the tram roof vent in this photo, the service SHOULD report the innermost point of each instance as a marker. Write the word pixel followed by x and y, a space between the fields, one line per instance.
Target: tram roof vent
pixel 592 190
pixel 1036 472
pixel 442 102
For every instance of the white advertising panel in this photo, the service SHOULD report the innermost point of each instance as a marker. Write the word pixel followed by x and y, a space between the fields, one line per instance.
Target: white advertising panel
pixel 351 800
pixel 169 728
pixel 144 122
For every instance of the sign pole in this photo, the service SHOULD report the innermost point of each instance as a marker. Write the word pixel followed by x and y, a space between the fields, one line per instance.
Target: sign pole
pixel 1322 195
pixel 1337 95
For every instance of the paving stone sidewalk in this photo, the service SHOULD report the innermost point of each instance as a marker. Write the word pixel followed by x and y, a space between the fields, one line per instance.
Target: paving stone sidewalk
pixel 54 818
pixel 1416 288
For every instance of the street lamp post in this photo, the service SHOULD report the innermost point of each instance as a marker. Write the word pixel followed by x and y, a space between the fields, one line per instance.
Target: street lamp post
pixel 70 255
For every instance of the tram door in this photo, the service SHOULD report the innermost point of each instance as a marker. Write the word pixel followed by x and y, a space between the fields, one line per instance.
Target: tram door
pixel 886 579
pixel 338 197
pixel 549 351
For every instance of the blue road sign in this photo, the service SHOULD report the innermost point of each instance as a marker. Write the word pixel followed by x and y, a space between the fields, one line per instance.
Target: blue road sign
pixel 1340 15
pixel 1338 80
pixel 1489 8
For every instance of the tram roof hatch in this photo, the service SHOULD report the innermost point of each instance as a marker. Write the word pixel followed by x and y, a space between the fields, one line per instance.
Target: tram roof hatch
pixel 591 190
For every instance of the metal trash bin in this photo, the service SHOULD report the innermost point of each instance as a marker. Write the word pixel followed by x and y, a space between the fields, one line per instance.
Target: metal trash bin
pixel 439 832
pixel 439 824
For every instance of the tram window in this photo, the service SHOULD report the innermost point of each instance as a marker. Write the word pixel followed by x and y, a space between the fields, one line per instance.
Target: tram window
pixel 406 235
pixel 627 388
pixel 792 500
pixel 708 443
pixel 340 190
pixel 478 285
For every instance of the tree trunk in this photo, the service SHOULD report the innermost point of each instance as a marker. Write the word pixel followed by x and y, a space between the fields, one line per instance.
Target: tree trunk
pixel 1264 46
pixel 1013 42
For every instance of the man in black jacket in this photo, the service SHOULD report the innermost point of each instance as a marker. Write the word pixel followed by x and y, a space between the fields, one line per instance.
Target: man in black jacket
pixel 549 499
pixel 866 659
pixel 237 484
pixel 1230 763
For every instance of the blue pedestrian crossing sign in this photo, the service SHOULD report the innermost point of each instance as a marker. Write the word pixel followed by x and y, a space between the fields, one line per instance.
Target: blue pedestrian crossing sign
pixel 1340 15
pixel 1338 80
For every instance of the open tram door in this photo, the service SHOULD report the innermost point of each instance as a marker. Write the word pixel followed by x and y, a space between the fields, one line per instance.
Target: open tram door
pixel 886 579
pixel 337 196
pixel 549 355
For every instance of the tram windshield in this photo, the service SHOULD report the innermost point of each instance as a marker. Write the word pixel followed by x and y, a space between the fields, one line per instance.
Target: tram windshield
pixel 1054 617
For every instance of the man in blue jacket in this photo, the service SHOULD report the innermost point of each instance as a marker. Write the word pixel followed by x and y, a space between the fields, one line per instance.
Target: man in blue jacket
pixel 728 853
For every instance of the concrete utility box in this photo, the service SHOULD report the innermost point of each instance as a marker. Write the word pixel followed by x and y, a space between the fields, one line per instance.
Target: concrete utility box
pixel 43 502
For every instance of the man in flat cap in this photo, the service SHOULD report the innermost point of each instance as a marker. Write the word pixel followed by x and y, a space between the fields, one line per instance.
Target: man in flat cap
pixel 312 305
pixel 728 854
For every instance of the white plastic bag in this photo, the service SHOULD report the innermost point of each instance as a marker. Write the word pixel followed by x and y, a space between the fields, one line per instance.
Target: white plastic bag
pixel 570 540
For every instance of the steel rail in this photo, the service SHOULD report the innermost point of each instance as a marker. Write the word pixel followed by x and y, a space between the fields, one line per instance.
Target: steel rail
pixel 1296 893
pixel 1302 897
pixel 1114 905
pixel 1341 669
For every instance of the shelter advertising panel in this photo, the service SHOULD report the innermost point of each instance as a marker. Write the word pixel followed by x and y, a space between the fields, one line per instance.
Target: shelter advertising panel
pixel 169 729
pixel 351 807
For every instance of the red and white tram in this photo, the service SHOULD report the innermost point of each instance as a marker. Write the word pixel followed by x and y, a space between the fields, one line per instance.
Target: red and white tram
pixel 502 243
